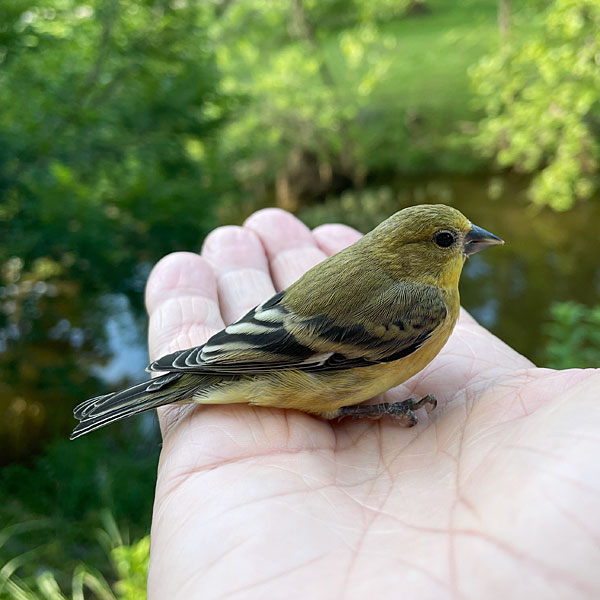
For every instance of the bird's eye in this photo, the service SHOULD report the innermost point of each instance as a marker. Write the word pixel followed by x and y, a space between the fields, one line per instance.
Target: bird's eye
pixel 444 239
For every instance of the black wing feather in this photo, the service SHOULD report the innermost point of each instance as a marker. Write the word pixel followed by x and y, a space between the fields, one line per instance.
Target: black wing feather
pixel 264 340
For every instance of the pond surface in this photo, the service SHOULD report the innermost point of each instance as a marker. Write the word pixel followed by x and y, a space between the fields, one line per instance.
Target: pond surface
pixel 548 257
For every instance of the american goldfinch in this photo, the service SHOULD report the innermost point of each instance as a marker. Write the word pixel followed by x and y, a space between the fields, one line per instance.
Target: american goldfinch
pixel 357 324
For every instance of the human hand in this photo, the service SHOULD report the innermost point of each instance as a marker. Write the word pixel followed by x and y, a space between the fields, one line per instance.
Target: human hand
pixel 493 495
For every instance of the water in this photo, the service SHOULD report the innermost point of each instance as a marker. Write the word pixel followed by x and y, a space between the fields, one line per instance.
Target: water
pixel 548 257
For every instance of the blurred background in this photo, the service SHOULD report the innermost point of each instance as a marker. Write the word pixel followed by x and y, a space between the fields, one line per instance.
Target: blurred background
pixel 131 128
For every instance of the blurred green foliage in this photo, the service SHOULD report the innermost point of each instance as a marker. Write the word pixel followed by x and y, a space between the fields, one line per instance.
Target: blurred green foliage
pixel 338 97
pixel 131 563
pixel 362 210
pixel 108 114
pixel 574 336
pixel 128 561
pixel 540 93
pixel 66 491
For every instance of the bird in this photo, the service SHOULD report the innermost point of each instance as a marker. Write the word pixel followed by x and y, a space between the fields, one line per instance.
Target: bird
pixel 355 325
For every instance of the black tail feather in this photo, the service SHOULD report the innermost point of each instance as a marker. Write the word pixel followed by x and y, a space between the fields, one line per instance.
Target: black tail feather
pixel 102 410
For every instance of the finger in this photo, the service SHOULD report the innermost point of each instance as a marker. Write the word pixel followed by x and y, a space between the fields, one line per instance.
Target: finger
pixel 183 306
pixel 288 243
pixel 241 267
pixel 182 303
pixel 332 238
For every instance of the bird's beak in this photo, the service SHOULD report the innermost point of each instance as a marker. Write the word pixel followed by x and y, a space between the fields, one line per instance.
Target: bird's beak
pixel 477 239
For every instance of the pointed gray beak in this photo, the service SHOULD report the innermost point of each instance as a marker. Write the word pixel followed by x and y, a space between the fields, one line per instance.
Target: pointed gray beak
pixel 477 239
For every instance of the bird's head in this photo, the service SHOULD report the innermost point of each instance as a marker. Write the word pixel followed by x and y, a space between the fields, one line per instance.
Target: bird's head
pixel 429 243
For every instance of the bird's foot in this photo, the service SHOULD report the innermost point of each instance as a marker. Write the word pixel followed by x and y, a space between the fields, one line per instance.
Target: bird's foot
pixel 402 411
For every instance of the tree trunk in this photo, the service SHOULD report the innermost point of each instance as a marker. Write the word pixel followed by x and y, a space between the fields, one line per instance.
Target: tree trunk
pixel 504 18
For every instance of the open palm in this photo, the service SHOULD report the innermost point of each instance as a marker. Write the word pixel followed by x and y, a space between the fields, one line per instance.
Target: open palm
pixel 493 495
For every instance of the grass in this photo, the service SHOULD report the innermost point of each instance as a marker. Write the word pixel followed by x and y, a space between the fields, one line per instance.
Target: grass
pixel 129 564
pixel 427 83
pixel 434 53
pixel 52 511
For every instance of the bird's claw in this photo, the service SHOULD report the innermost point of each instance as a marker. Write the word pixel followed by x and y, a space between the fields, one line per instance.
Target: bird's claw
pixel 401 411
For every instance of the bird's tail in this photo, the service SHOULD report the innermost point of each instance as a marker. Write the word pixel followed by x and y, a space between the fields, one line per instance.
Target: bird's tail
pixel 102 410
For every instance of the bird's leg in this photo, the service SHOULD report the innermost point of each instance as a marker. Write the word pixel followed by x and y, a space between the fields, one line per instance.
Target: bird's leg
pixel 403 411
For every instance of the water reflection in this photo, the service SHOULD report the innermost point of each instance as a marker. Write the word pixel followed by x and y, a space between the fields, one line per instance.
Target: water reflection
pixel 126 344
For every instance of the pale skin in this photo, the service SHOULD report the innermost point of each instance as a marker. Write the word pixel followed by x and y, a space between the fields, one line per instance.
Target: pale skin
pixel 495 494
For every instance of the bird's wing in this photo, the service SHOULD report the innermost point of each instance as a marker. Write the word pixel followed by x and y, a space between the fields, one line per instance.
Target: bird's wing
pixel 271 337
